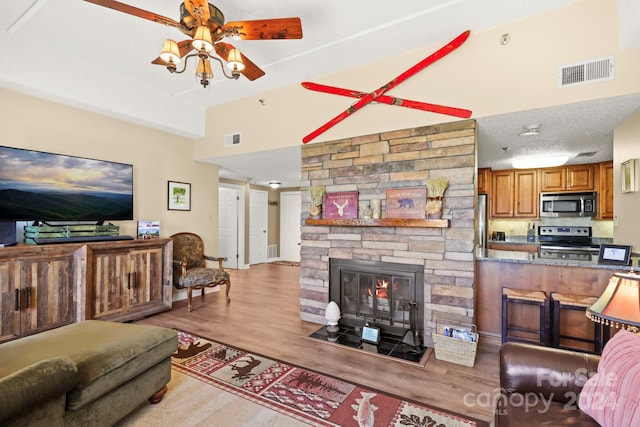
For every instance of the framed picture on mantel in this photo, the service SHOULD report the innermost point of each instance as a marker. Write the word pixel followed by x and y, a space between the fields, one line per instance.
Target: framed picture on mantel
pixel 343 205
pixel 406 202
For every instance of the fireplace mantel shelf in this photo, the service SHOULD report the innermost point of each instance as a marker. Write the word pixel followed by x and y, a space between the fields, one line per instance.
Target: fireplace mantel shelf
pixel 385 222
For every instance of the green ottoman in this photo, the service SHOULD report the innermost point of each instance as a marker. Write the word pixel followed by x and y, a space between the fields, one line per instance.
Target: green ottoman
pixel 119 366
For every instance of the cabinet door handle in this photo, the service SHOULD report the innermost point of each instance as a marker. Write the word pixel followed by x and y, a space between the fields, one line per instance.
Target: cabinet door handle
pixel 128 280
pixel 27 297
pixel 17 301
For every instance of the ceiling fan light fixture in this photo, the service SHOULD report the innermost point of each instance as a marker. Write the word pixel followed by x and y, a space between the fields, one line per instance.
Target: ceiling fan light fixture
pixel 202 39
pixel 170 52
pixel 234 60
pixel 540 162
pixel 204 72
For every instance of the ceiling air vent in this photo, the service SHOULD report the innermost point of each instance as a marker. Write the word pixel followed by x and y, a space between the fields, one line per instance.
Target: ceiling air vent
pixel 590 71
pixel 232 139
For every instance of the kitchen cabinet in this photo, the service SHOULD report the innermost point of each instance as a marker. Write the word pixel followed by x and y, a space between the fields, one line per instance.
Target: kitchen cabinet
pixel 513 247
pixel 605 191
pixel 568 178
pixel 128 281
pixel 484 183
pixel 514 193
pixel 38 291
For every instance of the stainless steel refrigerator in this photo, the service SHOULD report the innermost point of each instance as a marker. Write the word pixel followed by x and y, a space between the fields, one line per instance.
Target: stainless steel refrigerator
pixel 482 224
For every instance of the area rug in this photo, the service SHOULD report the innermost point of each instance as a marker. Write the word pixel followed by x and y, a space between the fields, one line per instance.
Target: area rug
pixel 305 395
pixel 289 263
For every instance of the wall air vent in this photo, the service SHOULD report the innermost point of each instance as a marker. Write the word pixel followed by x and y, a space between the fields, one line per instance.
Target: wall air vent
pixel 232 139
pixel 590 71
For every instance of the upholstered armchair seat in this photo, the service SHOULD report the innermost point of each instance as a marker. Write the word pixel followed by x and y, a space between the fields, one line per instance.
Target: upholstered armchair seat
pixel 190 271
pixel 202 277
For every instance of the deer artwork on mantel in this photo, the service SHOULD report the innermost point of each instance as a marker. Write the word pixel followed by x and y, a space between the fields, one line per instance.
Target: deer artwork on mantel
pixel 341 206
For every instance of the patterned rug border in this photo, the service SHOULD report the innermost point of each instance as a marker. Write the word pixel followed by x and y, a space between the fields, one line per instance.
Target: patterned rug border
pixel 292 412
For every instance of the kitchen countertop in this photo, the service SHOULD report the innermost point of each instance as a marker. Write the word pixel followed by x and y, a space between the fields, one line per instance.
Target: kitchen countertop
pixel 533 258
pixel 522 240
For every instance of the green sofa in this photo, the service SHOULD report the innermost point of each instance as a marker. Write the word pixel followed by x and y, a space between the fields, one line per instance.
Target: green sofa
pixel 91 373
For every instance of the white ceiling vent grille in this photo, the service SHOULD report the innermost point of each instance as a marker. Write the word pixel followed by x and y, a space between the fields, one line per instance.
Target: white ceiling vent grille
pixel 590 71
pixel 232 139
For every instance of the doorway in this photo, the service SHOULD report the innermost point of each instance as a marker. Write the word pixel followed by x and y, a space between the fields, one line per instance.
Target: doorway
pixel 231 225
pixel 258 217
pixel 290 238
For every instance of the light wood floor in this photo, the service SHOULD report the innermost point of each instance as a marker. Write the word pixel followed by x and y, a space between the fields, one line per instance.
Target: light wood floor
pixel 263 317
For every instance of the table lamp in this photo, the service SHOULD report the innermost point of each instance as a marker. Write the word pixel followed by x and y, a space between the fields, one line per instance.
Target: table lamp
pixel 619 304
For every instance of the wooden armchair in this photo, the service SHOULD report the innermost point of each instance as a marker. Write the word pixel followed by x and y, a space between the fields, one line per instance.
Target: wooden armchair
pixel 189 267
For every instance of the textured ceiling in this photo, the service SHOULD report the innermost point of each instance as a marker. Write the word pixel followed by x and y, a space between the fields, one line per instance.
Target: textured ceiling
pixel 98 59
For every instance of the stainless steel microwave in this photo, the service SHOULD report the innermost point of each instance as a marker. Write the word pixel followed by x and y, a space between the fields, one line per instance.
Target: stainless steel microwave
pixel 557 205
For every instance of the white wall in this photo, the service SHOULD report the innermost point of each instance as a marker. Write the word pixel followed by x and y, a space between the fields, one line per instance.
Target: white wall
pixel 482 75
pixel 626 205
pixel 157 158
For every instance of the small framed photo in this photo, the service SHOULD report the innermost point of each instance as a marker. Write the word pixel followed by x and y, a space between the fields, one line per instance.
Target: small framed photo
pixel 614 254
pixel 148 229
pixel 179 196
pixel 371 335
pixel 343 205
pixel 628 176
pixel 406 202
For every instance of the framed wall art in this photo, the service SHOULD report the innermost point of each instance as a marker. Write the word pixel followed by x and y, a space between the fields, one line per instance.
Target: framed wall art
pixel 614 254
pixel 179 197
pixel 628 176
pixel 406 202
pixel 343 205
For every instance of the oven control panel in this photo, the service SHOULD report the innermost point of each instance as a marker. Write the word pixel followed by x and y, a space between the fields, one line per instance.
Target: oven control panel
pixel 564 231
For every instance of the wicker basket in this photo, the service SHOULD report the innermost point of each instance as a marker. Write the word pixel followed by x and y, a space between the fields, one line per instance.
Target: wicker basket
pixel 455 350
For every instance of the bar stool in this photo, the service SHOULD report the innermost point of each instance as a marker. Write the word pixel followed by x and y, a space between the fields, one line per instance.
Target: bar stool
pixel 527 297
pixel 578 303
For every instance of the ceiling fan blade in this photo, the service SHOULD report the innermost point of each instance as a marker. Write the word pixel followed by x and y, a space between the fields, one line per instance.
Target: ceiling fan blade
pixel 251 70
pixel 199 9
pixel 266 29
pixel 184 47
pixel 131 10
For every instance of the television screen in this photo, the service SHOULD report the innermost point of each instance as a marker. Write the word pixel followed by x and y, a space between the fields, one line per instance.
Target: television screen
pixel 41 186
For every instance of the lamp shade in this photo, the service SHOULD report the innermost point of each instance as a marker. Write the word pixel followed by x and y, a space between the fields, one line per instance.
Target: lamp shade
pixel 204 69
pixel 202 39
pixel 234 60
pixel 619 304
pixel 170 51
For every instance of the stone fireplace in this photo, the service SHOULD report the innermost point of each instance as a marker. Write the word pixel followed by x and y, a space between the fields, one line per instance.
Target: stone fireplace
pixel 444 255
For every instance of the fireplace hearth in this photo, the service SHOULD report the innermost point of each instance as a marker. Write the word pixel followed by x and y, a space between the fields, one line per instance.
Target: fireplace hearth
pixel 389 296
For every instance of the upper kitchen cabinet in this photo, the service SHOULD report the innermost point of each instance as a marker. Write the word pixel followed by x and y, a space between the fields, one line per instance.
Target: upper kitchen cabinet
pixel 568 178
pixel 605 191
pixel 483 180
pixel 514 193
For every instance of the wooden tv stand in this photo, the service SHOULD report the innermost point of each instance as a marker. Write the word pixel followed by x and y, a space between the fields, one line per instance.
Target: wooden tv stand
pixel 46 286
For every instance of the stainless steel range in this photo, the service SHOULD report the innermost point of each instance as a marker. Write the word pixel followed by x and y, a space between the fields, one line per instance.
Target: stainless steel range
pixel 566 242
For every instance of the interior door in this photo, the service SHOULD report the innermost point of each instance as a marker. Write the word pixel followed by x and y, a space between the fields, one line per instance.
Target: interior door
pixel 228 227
pixel 290 237
pixel 258 215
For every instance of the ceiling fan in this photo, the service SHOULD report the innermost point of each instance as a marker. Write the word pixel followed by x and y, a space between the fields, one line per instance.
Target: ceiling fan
pixel 205 25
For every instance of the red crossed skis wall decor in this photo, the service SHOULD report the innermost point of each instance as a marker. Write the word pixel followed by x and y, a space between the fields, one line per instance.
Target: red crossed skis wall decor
pixel 379 94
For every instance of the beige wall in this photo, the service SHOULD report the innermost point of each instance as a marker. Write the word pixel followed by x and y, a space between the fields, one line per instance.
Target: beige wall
pixel 482 75
pixel 157 157
pixel 626 205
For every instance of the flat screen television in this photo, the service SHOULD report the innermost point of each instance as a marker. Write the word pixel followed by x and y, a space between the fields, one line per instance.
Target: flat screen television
pixel 40 186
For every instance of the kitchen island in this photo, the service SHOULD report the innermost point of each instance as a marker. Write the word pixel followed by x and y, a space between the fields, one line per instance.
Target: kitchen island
pixel 528 271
